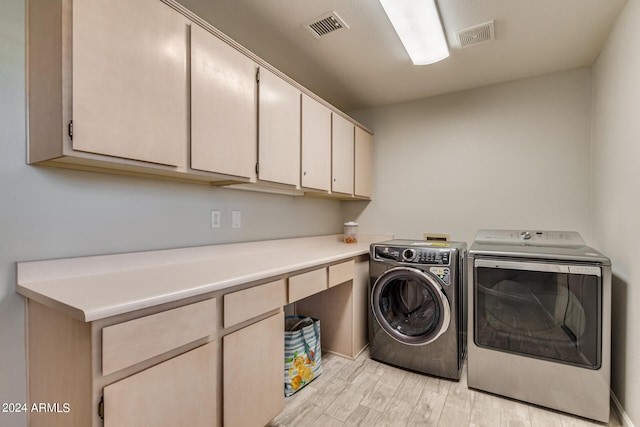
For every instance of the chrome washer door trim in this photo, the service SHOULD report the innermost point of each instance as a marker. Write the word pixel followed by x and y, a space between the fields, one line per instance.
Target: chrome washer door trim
pixel 436 291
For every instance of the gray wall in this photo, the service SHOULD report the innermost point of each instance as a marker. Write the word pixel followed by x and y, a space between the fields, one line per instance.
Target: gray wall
pixel 616 198
pixel 514 155
pixel 51 213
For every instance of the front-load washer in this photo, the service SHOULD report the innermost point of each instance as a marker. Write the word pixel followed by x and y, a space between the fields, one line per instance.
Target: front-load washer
pixel 539 320
pixel 417 316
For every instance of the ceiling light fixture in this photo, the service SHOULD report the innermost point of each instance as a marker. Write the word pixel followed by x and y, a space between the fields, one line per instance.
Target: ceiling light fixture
pixel 418 25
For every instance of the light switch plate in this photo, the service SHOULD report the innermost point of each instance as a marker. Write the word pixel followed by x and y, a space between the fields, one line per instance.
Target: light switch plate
pixel 215 219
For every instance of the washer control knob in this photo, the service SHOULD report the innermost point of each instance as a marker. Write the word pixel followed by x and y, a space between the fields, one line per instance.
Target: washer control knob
pixel 408 255
pixel 525 235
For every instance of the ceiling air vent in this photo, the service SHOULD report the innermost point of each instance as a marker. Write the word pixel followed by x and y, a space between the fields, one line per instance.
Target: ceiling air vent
pixel 325 24
pixel 475 35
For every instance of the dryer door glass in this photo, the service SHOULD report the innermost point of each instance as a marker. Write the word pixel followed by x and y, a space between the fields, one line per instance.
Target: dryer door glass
pixel 410 306
pixel 547 310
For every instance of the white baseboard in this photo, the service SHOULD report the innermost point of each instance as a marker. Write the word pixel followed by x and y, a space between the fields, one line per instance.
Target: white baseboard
pixel 626 421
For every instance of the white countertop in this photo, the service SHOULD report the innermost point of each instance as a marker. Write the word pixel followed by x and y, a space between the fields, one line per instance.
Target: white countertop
pixel 96 287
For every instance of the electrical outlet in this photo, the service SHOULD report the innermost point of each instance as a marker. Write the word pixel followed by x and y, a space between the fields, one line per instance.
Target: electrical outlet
pixel 215 219
pixel 236 219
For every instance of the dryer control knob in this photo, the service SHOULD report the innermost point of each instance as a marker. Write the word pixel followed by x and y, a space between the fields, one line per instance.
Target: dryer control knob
pixel 525 235
pixel 408 255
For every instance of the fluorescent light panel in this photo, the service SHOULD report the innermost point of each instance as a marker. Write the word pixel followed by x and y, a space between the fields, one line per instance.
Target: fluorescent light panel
pixel 418 25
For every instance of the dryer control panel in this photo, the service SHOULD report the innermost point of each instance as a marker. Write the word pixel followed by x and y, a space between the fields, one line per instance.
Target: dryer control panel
pixel 561 239
pixel 432 256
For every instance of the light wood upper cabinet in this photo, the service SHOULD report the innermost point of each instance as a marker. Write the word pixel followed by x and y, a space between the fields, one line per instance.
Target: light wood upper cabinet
pixel 316 145
pixel 129 80
pixel 278 130
pixel 342 155
pixel 223 107
pixel 363 163
pixel 148 88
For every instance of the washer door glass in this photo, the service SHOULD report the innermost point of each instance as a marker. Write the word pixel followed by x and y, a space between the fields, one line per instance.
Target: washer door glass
pixel 410 306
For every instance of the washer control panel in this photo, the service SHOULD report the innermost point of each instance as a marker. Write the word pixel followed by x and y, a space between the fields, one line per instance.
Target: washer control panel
pixel 435 256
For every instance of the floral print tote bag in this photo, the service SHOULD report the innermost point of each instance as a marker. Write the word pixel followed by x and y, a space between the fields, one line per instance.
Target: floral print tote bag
pixel 302 352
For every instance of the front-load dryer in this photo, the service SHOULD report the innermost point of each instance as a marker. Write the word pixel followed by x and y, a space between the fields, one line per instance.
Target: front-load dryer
pixel 417 316
pixel 540 320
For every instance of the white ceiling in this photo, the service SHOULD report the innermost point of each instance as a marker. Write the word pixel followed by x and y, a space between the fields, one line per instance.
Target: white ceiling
pixel 367 66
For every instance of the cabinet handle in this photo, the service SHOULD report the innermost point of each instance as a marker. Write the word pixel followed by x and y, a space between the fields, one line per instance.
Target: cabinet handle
pixel 101 408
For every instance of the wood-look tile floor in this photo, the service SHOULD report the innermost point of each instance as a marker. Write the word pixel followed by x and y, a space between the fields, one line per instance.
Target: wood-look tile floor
pixel 363 392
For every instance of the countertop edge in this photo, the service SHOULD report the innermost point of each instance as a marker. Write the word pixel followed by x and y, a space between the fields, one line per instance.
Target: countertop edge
pixel 52 303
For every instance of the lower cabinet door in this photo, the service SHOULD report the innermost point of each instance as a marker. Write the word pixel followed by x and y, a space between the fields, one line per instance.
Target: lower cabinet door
pixel 178 392
pixel 253 373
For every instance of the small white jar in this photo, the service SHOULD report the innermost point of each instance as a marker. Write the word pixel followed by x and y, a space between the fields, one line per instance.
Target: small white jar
pixel 351 232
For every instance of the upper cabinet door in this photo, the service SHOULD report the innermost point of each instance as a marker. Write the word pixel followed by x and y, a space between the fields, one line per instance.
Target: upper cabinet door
pixel 278 130
pixel 363 163
pixel 316 145
pixel 130 80
pixel 223 107
pixel 342 155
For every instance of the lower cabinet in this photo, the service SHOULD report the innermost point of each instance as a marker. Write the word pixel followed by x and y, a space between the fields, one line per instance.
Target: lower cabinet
pixel 305 284
pixel 253 373
pixel 178 392
pixel 219 360
pixel 155 368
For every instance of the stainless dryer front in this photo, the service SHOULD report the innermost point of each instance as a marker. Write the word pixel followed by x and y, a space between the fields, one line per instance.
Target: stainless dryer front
pixel 540 320
pixel 417 316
